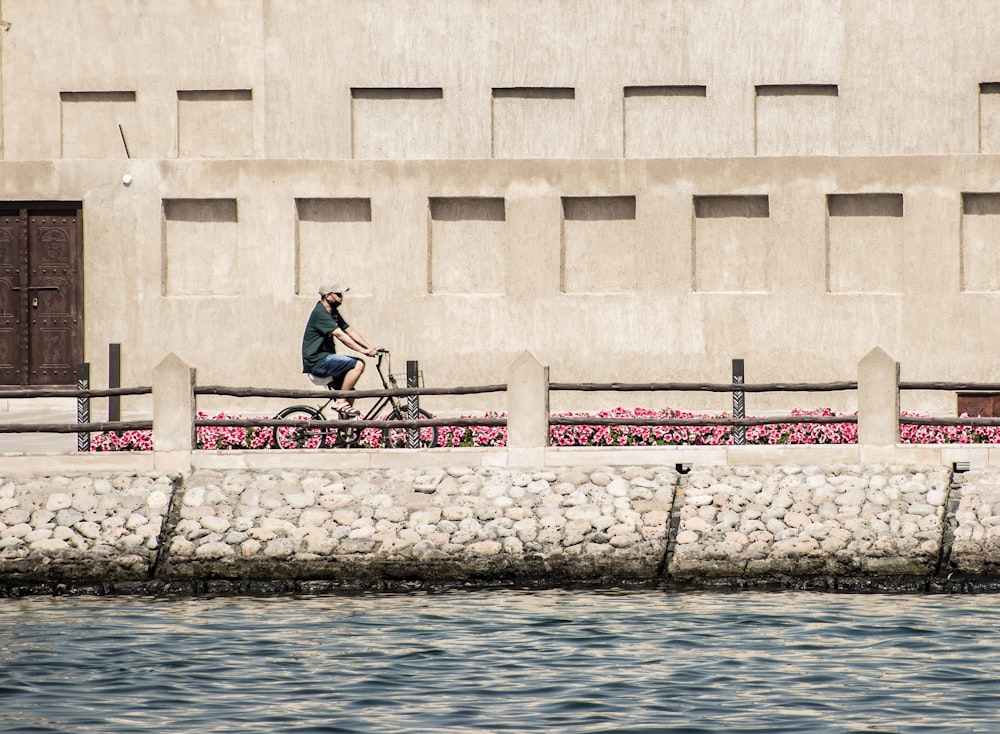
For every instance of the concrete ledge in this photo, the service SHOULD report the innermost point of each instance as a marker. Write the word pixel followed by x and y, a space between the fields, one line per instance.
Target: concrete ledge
pixel 52 464
pixel 978 456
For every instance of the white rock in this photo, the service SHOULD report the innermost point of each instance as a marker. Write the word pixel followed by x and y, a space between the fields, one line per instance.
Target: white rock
pixel 280 548
pixel 485 548
pixel 456 512
pixel 281 527
pixel 59 501
pixel 88 529
pixel 135 520
pixel 84 501
pixel 345 517
pixel 215 523
pixel 181 546
pixel 16 516
pixel 697 525
pixel 656 518
pixel 49 545
pixel 194 497
pixel 63 532
pixel 157 500
pixel 38 534
pixel 214 550
pixel 513 546
pixel 685 537
pixel 314 517
pixel 300 500
pixel 625 540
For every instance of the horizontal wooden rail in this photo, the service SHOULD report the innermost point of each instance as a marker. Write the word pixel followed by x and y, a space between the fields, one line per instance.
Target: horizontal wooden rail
pixel 352 423
pixel 263 392
pixel 769 421
pixel 969 421
pixel 956 386
pixel 50 392
pixel 75 427
pixel 703 387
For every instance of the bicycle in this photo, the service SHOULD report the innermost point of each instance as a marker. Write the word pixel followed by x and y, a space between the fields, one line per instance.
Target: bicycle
pixel 387 407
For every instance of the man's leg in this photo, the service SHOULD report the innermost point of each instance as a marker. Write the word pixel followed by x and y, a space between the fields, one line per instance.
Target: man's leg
pixel 351 378
pixel 345 372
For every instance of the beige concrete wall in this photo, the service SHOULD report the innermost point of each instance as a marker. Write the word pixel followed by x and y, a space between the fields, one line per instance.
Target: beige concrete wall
pixel 273 143
pixel 446 79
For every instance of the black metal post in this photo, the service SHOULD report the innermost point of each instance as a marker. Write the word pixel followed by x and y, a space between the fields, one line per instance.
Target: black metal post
pixel 412 403
pixel 739 403
pixel 114 380
pixel 83 406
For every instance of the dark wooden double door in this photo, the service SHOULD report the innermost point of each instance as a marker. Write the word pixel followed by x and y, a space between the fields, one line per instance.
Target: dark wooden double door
pixel 41 293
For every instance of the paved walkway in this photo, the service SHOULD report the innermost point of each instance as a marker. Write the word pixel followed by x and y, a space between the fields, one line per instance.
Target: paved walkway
pixel 45 410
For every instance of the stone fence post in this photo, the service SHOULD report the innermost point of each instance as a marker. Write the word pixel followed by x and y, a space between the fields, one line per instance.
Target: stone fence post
pixel 878 399
pixel 527 411
pixel 173 415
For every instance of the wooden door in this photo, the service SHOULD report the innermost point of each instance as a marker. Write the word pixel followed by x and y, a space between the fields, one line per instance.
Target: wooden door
pixel 41 294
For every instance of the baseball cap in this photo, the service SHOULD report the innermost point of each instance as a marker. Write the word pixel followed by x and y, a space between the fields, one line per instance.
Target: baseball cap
pixel 332 286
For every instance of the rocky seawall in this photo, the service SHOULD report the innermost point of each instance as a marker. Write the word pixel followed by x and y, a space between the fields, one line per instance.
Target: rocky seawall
pixel 851 527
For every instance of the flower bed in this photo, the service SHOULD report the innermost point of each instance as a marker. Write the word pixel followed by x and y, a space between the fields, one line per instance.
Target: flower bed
pixel 217 438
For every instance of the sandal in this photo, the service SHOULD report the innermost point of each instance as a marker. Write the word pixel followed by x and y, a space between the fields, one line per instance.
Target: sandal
pixel 347 411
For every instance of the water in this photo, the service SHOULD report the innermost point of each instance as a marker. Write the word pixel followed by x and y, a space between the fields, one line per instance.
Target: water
pixel 503 661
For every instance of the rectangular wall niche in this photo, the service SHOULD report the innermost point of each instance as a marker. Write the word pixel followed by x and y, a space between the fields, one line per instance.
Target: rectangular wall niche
pixel 989 118
pixel 90 124
pixel 398 122
pixel 200 249
pixel 535 122
pixel 796 119
pixel 215 123
pixel 980 242
pixel 667 121
pixel 864 243
pixel 333 240
pixel 731 244
pixel 468 246
pixel 600 248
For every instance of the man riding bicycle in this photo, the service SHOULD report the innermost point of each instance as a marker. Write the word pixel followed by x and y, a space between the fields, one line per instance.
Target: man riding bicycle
pixel 320 360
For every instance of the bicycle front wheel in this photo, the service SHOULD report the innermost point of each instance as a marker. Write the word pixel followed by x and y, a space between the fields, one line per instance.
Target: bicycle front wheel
pixel 396 438
pixel 304 437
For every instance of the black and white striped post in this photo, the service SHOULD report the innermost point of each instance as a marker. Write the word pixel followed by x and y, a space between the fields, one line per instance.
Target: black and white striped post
pixel 412 403
pixel 83 406
pixel 739 403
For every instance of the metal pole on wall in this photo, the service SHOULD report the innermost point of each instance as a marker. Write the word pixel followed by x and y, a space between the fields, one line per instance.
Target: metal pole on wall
pixel 739 403
pixel 83 406
pixel 412 403
pixel 114 380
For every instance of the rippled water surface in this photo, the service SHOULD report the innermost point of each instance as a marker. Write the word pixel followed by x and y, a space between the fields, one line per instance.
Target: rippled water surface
pixel 495 661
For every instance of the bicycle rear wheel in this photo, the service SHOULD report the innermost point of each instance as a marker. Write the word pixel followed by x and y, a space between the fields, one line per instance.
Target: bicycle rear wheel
pixel 306 436
pixel 396 438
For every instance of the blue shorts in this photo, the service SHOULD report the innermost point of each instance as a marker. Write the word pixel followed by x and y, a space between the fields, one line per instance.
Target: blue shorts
pixel 335 366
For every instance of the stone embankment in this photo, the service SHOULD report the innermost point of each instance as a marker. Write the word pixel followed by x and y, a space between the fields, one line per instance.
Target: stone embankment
pixel 837 526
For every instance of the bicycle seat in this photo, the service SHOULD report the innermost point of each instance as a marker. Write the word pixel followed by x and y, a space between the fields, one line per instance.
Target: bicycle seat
pixel 320 381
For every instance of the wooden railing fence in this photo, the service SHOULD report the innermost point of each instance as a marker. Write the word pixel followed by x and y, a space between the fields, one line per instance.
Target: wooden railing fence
pixel 878 390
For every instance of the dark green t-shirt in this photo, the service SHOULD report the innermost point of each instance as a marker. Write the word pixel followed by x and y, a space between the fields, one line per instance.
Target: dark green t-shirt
pixel 316 340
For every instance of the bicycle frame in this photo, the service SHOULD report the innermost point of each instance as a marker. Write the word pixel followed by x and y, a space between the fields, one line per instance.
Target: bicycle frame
pixel 386 406
pixel 388 383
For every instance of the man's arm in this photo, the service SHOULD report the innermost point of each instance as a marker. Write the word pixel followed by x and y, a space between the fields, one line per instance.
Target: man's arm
pixel 351 338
